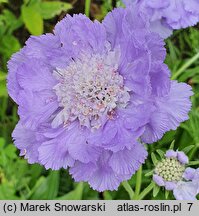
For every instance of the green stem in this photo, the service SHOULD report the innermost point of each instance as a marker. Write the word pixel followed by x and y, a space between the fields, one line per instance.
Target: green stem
pixel 185 66
pixel 128 189
pixel 146 191
pixel 138 183
pixel 87 7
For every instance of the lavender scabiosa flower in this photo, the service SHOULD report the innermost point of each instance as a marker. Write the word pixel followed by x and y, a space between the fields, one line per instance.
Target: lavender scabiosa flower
pixel 167 15
pixel 174 176
pixel 90 92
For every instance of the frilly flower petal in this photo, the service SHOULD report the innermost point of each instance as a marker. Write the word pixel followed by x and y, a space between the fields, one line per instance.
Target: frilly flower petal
pixel 27 142
pixel 158 180
pixel 172 109
pixel 182 157
pixel 171 153
pixel 99 175
pixel 170 185
pixel 185 191
pixel 189 173
pixel 128 161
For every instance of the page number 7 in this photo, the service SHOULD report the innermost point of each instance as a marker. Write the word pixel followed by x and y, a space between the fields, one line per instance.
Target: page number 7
pixel 190 205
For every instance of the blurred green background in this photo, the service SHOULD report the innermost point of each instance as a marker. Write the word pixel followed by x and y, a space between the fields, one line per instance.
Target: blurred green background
pixel 19 180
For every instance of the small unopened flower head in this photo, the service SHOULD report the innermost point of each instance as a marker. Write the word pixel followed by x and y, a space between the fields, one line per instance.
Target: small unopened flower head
pixel 172 174
pixel 170 169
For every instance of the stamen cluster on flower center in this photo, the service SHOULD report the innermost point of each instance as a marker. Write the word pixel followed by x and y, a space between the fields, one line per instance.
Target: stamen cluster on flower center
pixel 170 169
pixel 90 89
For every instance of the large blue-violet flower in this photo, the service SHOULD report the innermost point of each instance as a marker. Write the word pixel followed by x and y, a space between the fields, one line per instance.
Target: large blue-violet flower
pixel 172 173
pixel 89 93
pixel 167 15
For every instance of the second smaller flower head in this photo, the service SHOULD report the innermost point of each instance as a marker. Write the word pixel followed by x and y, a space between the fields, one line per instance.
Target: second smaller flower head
pixel 174 176
pixel 168 15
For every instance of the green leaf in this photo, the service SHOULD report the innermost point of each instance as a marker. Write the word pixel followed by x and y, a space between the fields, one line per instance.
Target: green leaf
pixel 193 163
pixel 185 66
pixel 35 171
pixel 172 51
pixel 76 194
pixel 2 76
pixel 2 142
pixel 156 190
pixel 46 188
pixel 9 22
pixel 128 188
pixel 3 89
pixel 189 73
pixel 10 151
pixel 193 38
pixel 32 18
pixel 3 1
pixel 172 145
pixel 160 152
pixel 107 195
pixel 195 80
pixel 149 173
pixel 154 159
pixel 7 192
pixel 53 185
pixel 9 45
pixel 187 149
pixel 193 125
pixel 166 194
pixel 167 138
pixel 39 188
pixel 51 9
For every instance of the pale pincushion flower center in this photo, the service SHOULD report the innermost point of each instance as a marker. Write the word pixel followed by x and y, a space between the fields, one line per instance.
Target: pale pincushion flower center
pixel 170 169
pixel 90 89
